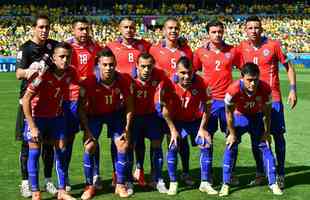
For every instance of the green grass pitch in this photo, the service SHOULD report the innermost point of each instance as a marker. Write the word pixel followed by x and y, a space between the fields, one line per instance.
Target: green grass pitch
pixel 297 166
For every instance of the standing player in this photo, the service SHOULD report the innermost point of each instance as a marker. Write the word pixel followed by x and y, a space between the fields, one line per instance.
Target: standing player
pixel 150 85
pixel 84 51
pixel 31 51
pixel 45 91
pixel 267 54
pixel 126 50
pixel 166 54
pixel 187 114
pixel 216 60
pixel 103 98
pixel 248 109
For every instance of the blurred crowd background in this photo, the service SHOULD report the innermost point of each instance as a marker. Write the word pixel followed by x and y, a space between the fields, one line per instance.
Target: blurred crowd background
pixel 288 21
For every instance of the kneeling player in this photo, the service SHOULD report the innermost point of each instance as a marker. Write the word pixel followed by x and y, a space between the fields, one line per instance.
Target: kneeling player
pixel 44 117
pixel 248 109
pixel 191 105
pixel 101 102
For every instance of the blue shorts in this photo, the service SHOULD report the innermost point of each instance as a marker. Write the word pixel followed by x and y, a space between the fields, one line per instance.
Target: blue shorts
pixel 253 124
pixel 146 126
pixel 49 128
pixel 217 114
pixel 188 128
pixel 277 118
pixel 115 124
pixel 72 121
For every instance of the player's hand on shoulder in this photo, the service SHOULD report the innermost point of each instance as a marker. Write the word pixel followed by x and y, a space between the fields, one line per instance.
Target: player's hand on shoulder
pixel 32 71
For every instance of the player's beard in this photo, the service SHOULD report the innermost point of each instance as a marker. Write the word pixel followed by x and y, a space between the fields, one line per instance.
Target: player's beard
pixel 145 78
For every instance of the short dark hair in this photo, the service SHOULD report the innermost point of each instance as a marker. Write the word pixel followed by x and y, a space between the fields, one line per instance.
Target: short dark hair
pixel 80 20
pixel 250 69
pixel 36 18
pixel 106 52
pixel 126 18
pixel 185 61
pixel 63 45
pixel 171 19
pixel 214 23
pixel 253 18
pixel 146 55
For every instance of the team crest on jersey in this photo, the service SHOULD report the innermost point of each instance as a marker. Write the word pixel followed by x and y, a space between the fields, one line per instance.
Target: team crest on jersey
pixel 194 92
pixel 258 98
pixel 19 55
pixel 91 49
pixel 141 47
pixel 266 52
pixel 183 53
pixel 68 80
pixel 227 55
pixel 161 52
pixel 154 83
pixel 49 46
pixel 50 82
pixel 117 91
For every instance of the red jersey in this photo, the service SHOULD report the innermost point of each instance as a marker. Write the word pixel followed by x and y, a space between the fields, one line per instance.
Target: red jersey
pixel 186 104
pixel 104 99
pixel 147 93
pixel 83 58
pixel 217 68
pixel 245 104
pixel 267 57
pixel 127 55
pixel 166 59
pixel 49 92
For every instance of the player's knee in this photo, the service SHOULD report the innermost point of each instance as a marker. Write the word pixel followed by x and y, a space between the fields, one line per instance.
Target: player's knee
pixel 90 147
pixel 34 145
pixel 122 146
pixel 24 150
pixel 156 144
pixel 279 140
pixel 60 144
